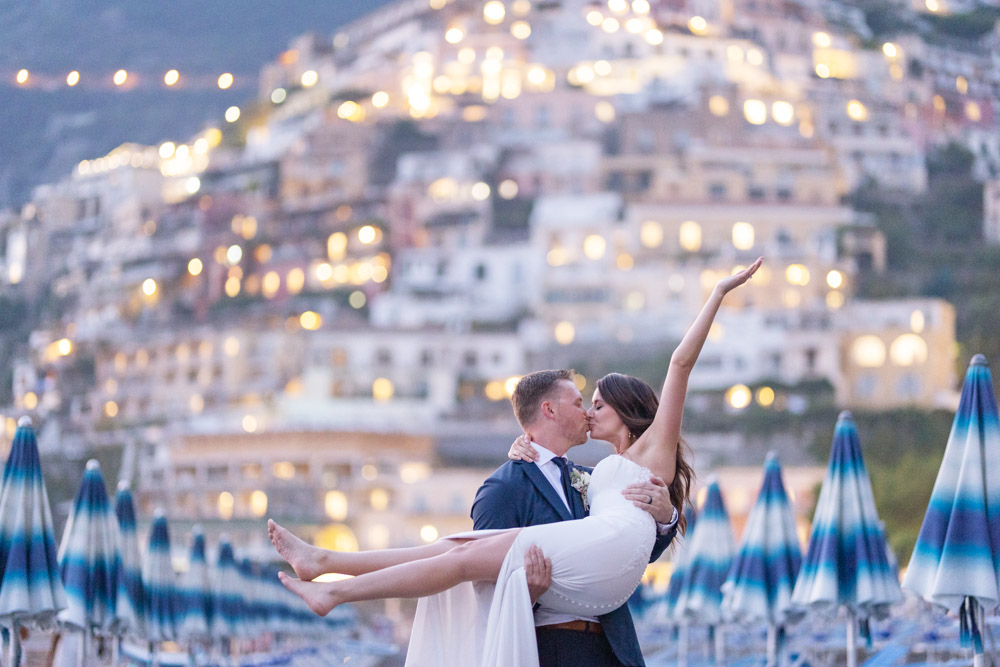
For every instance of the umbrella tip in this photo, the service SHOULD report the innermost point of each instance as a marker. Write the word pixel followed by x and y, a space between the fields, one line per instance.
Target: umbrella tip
pixel 772 457
pixel 93 464
pixel 196 529
pixel 160 513
pixel 124 485
pixel 979 360
pixel 846 414
pixel 24 421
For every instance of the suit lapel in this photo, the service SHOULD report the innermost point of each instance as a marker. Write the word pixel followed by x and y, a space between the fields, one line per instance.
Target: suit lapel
pixel 545 488
pixel 576 499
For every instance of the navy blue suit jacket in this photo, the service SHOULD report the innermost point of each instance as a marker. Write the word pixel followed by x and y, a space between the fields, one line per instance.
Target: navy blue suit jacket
pixel 519 495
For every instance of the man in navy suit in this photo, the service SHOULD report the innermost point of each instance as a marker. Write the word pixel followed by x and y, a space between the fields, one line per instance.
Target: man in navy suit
pixel 550 409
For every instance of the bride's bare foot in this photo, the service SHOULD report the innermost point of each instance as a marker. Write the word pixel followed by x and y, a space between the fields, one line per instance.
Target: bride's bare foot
pixel 319 596
pixel 303 557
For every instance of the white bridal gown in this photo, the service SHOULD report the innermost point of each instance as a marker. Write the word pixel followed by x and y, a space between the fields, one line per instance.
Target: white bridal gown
pixel 597 562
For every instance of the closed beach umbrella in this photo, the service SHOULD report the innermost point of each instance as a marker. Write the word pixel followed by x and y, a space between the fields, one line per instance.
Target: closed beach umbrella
pixel 846 564
pixel 160 581
pixel 682 554
pixel 760 583
pixel 711 556
pixel 196 593
pixel 89 560
pixel 956 560
pixel 131 608
pixel 31 592
pixel 226 594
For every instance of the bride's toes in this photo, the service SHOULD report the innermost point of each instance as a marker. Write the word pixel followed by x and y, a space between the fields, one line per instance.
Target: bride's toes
pixel 319 597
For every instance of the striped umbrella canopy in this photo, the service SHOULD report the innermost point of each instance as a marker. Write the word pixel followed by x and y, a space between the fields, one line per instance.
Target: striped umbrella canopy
pixel 89 557
pixel 846 564
pixel 131 609
pixel 160 582
pixel 196 592
pixel 681 556
pixel 759 585
pixel 31 592
pixel 711 555
pixel 227 596
pixel 956 560
pixel 252 620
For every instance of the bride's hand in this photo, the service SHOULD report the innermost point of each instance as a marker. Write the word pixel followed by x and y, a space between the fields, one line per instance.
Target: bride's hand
pixel 522 450
pixel 728 284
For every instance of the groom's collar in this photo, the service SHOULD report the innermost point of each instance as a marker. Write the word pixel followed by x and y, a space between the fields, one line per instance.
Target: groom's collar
pixel 544 454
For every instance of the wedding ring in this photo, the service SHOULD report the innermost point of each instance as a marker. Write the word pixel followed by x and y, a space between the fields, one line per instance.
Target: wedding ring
pixel 649 500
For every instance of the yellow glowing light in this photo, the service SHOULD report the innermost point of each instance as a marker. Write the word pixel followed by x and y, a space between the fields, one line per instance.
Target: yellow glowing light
pixel 973 112
pixel 634 25
pixel 508 189
pixel 120 77
pixel 610 24
pixel 822 40
pixel 917 321
pixel 494 12
pixel 225 80
pixel 834 300
pixel 494 391
pixel 823 70
pixel 149 287
pixel 192 185
pixel 939 104
pixel 357 300
pixel 466 56
pixel 195 267
pixel 755 111
pixel 651 234
pixel 454 35
pixel 30 400
pixel 618 6
pixel 602 68
pixel 932 5
pixel 380 99
pixel 225 504
pixel 258 503
pixel 890 50
pixel 278 95
pixel 283 469
pixel 739 396
pixel 783 112
pixel 537 75
pixel 271 284
pixel 797 274
pixel 698 25
pixel 295 280
pixel 835 279
pixel 743 236
pixel 367 234
pixel 520 29
pixel 734 53
pixel 640 6
pixel 111 409
pixel 605 111
pixel 64 346
pixel 324 272
pixel 309 78
pixel 480 191
pixel 22 77
pixel 635 300
pixel 382 389
pixel 234 254
pixel 232 114
pixel 232 286
pixel 908 350
pixel 171 77
pixel 868 351
pixel 379 499
pixel 348 109
pixel 765 397
pixel 428 533
pixel 310 320
pixel 654 36
pixel 249 423
pixel 336 245
pixel 624 261
pixel 856 110
pixel 564 333
pixel 718 105
pixel 196 403
pixel 72 78
pixel 231 346
pixel 594 246
pixel 335 505
pixel 594 17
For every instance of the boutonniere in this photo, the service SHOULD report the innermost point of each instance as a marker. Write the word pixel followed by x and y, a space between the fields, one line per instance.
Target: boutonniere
pixel 580 480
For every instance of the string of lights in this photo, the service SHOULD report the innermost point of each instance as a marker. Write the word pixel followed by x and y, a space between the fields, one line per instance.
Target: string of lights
pixel 123 79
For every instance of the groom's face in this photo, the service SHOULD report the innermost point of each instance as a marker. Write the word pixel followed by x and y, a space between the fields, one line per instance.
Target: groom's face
pixel 570 413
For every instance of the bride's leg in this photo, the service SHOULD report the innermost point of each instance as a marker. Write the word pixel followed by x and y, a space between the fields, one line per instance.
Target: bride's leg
pixel 475 560
pixel 310 561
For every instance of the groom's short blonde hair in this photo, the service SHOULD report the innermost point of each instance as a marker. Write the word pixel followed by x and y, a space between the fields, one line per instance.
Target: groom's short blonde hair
pixel 532 390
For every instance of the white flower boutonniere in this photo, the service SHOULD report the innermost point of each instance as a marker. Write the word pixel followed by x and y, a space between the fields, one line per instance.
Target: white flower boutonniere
pixel 580 480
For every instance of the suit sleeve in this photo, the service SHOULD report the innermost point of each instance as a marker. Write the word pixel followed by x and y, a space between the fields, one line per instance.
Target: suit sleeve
pixel 495 506
pixel 662 542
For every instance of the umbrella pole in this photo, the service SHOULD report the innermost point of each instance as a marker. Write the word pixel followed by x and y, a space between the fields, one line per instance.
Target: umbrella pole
pixel 852 640
pixel 772 645
pixel 81 654
pixel 720 645
pixel 15 645
pixel 682 658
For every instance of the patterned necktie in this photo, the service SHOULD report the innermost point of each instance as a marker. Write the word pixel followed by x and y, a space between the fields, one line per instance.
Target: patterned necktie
pixel 564 474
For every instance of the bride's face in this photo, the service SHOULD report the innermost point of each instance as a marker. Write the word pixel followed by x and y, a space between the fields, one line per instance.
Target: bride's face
pixel 605 424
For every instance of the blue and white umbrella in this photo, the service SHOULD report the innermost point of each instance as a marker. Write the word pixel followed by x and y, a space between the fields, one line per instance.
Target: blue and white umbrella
pixel 956 560
pixel 196 593
pixel 131 607
pixel 31 592
pixel 711 556
pixel 160 582
pixel 681 556
pixel 759 585
pixel 227 607
pixel 89 559
pixel 846 564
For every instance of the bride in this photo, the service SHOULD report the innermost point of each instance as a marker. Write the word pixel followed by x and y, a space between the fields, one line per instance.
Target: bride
pixel 596 562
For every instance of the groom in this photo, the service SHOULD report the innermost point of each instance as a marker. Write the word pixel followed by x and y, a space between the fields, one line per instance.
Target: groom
pixel 549 407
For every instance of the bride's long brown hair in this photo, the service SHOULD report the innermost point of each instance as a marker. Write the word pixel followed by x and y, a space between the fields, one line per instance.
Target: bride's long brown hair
pixel 635 402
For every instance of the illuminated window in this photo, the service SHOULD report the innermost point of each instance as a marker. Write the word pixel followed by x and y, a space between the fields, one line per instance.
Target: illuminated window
pixel 743 236
pixel 690 236
pixel 908 350
pixel 868 351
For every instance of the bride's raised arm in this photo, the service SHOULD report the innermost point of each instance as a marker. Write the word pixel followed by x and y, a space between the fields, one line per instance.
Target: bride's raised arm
pixel 657 447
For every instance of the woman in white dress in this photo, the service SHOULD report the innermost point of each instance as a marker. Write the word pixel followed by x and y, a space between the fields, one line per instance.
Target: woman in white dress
pixel 596 562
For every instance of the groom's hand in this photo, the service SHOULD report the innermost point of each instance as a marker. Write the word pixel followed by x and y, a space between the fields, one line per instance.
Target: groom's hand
pixel 538 571
pixel 653 497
